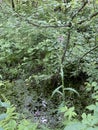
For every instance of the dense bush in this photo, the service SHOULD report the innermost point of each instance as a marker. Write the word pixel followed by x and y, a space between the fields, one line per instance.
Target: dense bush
pixel 48 50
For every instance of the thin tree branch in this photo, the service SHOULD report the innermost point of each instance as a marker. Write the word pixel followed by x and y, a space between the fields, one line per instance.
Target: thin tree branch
pixel 42 26
pixel 57 26
pixel 62 26
pixel 47 26
pixel 66 25
pixel 93 15
pixel 86 54
pixel 13 4
pixel 88 19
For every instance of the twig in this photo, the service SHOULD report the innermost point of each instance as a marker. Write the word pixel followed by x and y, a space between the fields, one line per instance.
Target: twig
pixel 70 25
pixel 86 54
pixel 56 26
pixel 88 19
pixel 93 15
pixel 47 26
pixel 42 26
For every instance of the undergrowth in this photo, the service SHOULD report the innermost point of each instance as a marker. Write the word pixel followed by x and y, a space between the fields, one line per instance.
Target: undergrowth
pixel 49 64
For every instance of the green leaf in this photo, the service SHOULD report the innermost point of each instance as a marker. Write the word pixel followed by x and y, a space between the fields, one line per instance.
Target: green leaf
pixel 57 91
pixel 75 126
pixel 63 109
pixel 1 83
pixel 4 104
pixel 84 116
pixel 72 90
pixel 0 76
pixel 1 128
pixel 3 116
pixel 90 128
pixel 94 84
pixel 12 124
pixel 70 113
pixel 91 107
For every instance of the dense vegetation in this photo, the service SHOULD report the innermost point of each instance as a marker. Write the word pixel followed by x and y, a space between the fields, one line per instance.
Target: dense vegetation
pixel 49 65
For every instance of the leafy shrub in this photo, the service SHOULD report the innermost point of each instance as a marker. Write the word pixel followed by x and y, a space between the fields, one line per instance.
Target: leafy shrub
pixel 88 121
pixel 48 45
pixel 10 119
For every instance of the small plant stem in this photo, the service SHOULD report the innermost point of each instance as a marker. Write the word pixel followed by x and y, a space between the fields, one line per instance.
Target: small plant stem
pixel 62 80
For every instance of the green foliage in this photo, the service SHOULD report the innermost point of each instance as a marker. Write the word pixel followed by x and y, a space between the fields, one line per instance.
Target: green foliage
pixel 49 48
pixel 25 125
pixel 10 120
pixel 89 121
pixel 7 119
pixel 68 112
